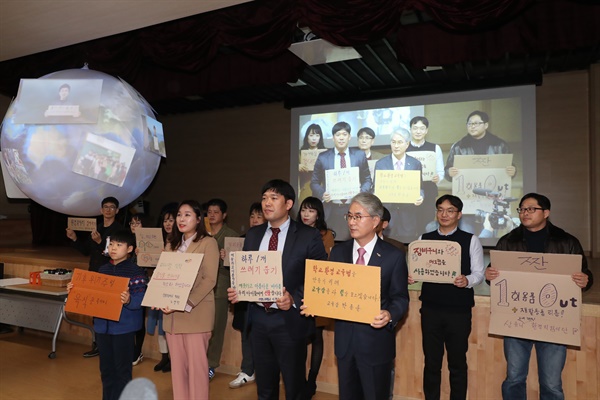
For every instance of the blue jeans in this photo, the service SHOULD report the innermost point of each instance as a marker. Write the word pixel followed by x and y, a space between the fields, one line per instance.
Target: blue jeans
pixel 551 359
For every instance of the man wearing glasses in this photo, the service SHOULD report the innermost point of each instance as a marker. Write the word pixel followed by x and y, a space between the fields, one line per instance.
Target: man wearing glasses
pixel 537 234
pixel 96 244
pixel 366 352
pixel 446 309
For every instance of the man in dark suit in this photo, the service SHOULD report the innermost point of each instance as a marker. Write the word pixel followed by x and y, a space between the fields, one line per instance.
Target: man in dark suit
pixel 403 225
pixel 337 158
pixel 366 353
pixel 277 331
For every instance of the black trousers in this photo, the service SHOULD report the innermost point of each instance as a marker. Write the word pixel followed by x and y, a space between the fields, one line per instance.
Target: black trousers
pixel 116 353
pixel 449 328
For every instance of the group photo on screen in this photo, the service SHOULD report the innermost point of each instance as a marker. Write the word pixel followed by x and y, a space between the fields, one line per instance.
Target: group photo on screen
pixel 410 151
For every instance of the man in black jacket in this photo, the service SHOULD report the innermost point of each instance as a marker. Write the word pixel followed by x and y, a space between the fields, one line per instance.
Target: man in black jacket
pixel 536 234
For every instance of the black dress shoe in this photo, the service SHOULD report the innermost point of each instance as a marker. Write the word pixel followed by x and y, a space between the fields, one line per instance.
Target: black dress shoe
pixel 162 363
pixel 93 352
pixel 167 367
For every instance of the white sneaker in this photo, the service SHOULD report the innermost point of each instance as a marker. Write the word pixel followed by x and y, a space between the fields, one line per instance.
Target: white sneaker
pixel 138 360
pixel 241 380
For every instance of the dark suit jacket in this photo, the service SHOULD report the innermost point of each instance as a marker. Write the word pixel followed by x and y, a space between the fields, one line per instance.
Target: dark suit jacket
pixel 376 345
pixel 302 242
pixel 326 161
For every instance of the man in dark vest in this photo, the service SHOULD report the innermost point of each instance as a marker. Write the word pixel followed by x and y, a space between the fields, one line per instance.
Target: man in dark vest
pixel 446 309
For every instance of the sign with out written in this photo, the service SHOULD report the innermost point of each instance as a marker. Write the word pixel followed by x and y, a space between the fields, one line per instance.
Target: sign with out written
pixel 81 224
pixel 256 275
pixel 232 244
pixel 342 291
pixel 172 280
pixel 149 244
pixel 97 295
pixel 428 163
pixel 434 260
pixel 342 183
pixel 535 298
pixel 481 173
pixel 308 158
pixel 392 186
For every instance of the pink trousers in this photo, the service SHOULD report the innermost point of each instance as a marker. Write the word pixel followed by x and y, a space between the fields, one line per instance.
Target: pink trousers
pixel 189 365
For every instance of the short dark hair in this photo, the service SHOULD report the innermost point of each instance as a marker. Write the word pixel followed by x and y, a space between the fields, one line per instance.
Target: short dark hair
pixel 255 207
pixel 483 115
pixel 175 238
pixel 542 200
pixel 123 236
pixel 281 187
pixel 316 128
pixel 454 200
pixel 217 202
pixel 140 217
pixel 341 126
pixel 366 130
pixel 64 85
pixel 424 120
pixel 386 215
pixel 110 200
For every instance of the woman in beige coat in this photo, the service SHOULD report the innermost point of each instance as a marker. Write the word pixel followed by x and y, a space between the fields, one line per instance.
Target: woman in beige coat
pixel 189 331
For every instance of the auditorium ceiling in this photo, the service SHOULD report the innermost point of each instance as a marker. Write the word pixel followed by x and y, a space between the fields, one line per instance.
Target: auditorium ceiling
pixel 229 56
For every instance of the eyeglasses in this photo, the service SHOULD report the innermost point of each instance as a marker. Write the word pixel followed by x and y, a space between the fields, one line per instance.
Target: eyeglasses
pixel 450 211
pixel 356 217
pixel 135 223
pixel 109 207
pixel 473 124
pixel 419 128
pixel 365 137
pixel 529 210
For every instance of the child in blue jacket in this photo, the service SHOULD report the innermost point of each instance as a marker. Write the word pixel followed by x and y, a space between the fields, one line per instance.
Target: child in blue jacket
pixel 115 339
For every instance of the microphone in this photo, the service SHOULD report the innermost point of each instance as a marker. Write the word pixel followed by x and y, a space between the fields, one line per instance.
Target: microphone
pixel 485 192
pixel 139 389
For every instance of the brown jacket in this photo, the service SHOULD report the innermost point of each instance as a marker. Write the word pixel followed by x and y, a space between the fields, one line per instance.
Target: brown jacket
pixel 202 316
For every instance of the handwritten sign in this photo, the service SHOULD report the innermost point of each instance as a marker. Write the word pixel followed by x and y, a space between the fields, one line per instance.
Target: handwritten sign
pixel 342 291
pixel 81 224
pixel 232 244
pixel 308 158
pixel 172 280
pixel 342 183
pixel 535 298
pixel 397 186
pixel 150 244
pixel 434 260
pixel 256 275
pixel 428 163
pixel 482 161
pixel 97 295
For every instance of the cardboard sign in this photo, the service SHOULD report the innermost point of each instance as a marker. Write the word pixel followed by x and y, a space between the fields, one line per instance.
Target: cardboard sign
pixel 232 244
pixel 256 275
pixel 428 163
pixel 393 186
pixel 149 242
pixel 482 161
pixel 81 224
pixel 172 280
pixel 494 180
pixel 342 183
pixel 535 298
pixel 97 295
pixel 308 158
pixel 434 260
pixel 342 291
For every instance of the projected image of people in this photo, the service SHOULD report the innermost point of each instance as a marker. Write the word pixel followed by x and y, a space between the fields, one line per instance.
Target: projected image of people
pixel 496 186
pixel 339 174
pixel 403 225
pixel 311 146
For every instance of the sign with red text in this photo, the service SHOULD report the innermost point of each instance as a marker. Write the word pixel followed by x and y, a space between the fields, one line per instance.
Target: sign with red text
pixel 232 244
pixel 535 298
pixel 81 224
pixel 97 295
pixel 342 183
pixel 396 186
pixel 342 291
pixel 172 280
pixel 150 244
pixel 256 275
pixel 434 260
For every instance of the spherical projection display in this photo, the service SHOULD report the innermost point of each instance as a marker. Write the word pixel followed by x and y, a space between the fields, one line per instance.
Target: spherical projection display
pixel 71 167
